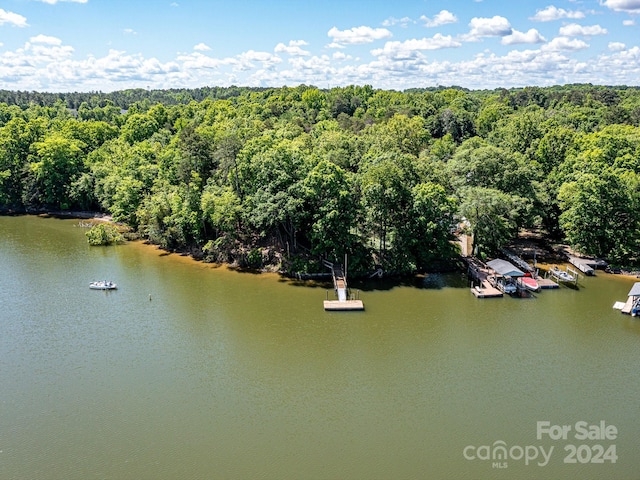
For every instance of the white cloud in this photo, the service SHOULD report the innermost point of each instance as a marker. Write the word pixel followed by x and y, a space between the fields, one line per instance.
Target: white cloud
pixel 531 36
pixel 38 51
pixel 575 30
pixel 316 64
pixel 246 59
pixel 496 26
pixel 341 56
pixel 441 18
pixel 631 6
pixel 358 35
pixel 292 49
pixel 403 22
pixel 119 70
pixel 12 18
pixel 202 47
pixel 409 48
pixel 45 63
pixel 129 31
pixel 628 23
pixel 46 40
pixel 564 44
pixel 174 4
pixel 199 61
pixel 554 13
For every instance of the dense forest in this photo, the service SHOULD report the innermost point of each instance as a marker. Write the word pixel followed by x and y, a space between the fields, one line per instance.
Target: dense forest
pixel 289 176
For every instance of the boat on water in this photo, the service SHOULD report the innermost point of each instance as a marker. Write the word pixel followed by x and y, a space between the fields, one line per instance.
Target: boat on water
pixel 103 285
pixel 530 283
pixel 562 275
pixel 504 284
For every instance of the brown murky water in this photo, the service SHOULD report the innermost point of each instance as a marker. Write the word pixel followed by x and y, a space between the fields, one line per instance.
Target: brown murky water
pixel 194 372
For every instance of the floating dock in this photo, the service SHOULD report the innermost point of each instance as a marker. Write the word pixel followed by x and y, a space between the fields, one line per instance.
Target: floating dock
pixel 343 306
pixel 345 301
pixel 547 283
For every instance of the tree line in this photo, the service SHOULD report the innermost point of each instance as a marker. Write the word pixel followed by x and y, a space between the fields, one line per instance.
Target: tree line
pixel 288 176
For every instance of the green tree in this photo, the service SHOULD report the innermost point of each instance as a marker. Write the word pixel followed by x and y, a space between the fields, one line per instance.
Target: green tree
pixel 103 234
pixel 275 196
pixel 494 217
pixel 55 163
pixel 386 184
pixel 330 199
pixel 599 215
pixel 16 139
pixel 139 127
pixel 222 208
pixel 478 164
pixel 432 217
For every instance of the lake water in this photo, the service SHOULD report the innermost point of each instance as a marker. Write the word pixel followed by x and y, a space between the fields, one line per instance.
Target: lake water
pixel 189 371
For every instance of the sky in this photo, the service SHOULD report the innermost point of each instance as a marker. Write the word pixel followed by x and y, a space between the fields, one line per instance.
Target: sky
pixel 107 45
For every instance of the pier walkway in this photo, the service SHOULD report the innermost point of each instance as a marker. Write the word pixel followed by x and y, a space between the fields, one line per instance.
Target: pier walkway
pixel 344 301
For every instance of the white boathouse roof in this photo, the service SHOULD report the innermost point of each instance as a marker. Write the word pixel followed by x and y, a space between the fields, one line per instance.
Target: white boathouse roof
pixel 635 290
pixel 504 268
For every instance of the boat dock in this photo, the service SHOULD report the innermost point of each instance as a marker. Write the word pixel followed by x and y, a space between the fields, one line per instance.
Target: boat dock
pixel 547 283
pixel 587 266
pixel 479 274
pixel 483 287
pixel 345 302
pixel 632 305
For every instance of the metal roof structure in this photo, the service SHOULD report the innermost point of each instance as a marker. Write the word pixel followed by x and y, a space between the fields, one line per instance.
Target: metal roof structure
pixel 635 290
pixel 504 268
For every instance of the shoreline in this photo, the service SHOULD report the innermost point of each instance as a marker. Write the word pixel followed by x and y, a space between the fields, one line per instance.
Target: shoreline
pixel 45 212
pixel 526 245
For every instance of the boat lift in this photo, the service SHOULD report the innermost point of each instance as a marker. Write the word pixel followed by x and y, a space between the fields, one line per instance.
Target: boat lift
pixel 568 276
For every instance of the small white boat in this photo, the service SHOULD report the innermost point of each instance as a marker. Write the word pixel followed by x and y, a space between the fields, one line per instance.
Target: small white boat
pixel 562 275
pixel 504 284
pixel 103 285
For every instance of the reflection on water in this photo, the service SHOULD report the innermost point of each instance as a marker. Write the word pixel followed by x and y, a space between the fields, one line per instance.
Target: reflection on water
pixel 192 371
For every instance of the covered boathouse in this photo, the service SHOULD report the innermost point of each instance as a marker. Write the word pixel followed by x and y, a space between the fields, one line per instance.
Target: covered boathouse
pixel 632 307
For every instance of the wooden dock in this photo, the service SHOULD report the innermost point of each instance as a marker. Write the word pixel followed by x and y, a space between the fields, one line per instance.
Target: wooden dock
pixel 587 266
pixel 486 291
pixel 343 305
pixel 345 302
pixel 479 273
pixel 627 307
pixel 546 283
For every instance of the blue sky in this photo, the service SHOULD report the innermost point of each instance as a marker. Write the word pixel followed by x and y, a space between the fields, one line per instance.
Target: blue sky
pixel 106 45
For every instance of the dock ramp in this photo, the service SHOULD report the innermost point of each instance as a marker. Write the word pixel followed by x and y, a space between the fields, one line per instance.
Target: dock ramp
pixel 342 291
